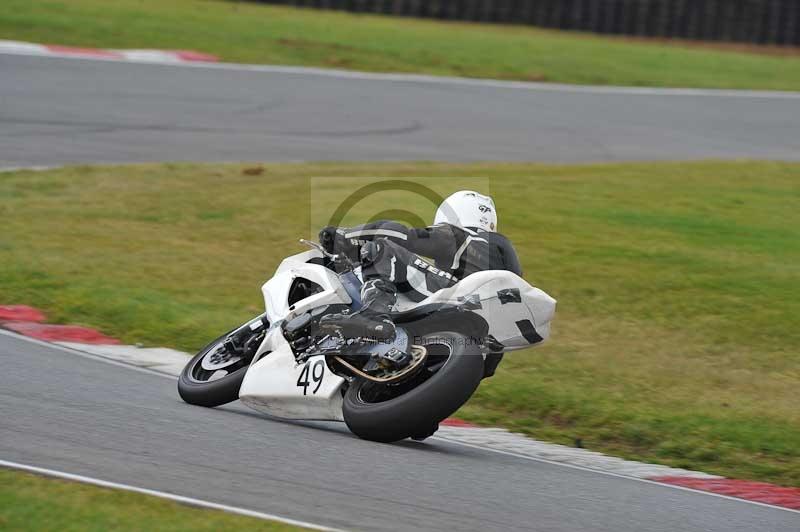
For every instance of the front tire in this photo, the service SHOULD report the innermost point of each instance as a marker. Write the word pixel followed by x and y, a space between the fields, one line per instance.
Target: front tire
pixel 209 393
pixel 372 413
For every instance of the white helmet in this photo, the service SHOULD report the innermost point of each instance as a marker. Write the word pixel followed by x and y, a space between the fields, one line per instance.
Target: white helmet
pixel 467 208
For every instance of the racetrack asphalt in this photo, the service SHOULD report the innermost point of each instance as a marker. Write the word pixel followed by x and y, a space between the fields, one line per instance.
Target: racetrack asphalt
pixel 56 111
pixel 87 417
pixel 83 416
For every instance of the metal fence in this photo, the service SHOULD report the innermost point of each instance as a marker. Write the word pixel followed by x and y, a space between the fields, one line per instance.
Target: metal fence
pixel 752 21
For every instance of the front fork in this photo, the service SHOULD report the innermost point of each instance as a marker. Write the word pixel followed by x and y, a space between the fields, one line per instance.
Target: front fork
pixel 241 340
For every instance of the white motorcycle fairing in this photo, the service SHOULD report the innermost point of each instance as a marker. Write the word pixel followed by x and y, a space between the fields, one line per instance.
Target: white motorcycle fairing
pixel 270 386
pixel 276 290
pixel 517 313
pixel 273 383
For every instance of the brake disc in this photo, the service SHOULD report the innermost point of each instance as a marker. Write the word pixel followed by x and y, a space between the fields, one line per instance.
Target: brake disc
pixel 219 358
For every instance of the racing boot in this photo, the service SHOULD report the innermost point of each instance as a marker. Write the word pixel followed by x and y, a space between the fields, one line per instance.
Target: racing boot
pixel 372 320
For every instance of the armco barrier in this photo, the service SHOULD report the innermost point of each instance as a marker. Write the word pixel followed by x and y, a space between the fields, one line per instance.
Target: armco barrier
pixel 752 21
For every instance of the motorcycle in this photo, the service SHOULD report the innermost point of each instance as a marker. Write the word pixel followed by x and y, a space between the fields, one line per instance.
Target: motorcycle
pixel 283 364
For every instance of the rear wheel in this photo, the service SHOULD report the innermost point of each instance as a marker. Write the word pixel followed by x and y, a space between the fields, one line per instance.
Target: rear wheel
pixel 212 377
pixel 414 408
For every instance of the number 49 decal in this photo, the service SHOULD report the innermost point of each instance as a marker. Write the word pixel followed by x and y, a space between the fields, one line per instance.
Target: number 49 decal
pixel 316 372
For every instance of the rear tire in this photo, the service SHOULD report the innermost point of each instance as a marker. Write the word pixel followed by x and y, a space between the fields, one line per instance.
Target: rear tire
pixel 417 413
pixel 209 393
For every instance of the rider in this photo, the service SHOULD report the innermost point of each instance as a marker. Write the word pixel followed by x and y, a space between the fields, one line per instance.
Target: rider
pixel 462 241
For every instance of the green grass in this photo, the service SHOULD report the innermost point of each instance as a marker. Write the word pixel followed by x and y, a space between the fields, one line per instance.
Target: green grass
pixel 676 337
pixel 31 502
pixel 253 33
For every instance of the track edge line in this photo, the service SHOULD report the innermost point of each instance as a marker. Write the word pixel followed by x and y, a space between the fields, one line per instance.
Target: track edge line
pixel 612 474
pixel 191 501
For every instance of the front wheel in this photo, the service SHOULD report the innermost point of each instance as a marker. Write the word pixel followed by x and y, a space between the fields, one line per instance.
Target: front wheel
pixel 210 380
pixel 386 413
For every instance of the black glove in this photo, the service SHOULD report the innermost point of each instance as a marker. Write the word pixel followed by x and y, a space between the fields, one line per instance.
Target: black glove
pixel 328 239
pixel 333 241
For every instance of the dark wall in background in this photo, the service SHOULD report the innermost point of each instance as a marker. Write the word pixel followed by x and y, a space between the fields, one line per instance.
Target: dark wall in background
pixel 752 21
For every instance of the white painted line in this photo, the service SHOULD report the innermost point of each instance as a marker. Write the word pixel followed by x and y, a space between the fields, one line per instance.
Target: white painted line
pixel 21 47
pixel 160 359
pixel 84 354
pixel 164 495
pixel 38 168
pixel 504 440
pixel 438 80
pixel 610 474
pixel 481 447
pixel 156 56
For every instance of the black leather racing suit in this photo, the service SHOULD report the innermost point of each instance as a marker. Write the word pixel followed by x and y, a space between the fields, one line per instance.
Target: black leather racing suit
pixel 399 255
pixel 394 259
